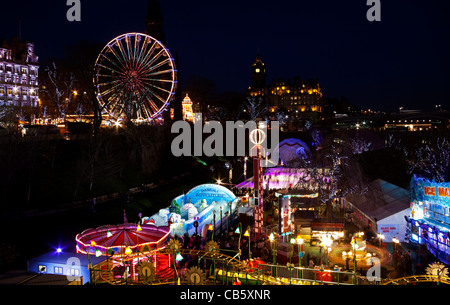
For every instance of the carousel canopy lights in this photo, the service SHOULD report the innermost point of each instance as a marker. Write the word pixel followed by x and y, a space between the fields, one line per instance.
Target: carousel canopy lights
pixel 122 239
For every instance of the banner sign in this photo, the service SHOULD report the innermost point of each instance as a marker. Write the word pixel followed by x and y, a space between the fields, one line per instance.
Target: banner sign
pixel 426 190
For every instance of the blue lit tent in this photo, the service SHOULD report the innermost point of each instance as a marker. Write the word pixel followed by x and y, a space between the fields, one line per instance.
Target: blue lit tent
pixel 199 204
pixel 291 151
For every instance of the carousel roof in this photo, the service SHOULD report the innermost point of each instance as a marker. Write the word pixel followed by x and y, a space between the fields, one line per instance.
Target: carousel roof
pixel 128 234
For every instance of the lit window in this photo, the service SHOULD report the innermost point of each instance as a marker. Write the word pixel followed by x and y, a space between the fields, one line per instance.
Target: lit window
pixel 42 268
pixel 58 270
pixel 74 272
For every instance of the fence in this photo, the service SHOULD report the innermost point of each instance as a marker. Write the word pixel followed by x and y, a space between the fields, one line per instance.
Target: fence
pixel 321 276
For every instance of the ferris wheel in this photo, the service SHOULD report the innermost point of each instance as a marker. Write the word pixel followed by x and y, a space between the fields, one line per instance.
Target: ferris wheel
pixel 135 77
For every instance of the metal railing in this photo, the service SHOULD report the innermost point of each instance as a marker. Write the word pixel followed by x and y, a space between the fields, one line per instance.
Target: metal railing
pixel 299 275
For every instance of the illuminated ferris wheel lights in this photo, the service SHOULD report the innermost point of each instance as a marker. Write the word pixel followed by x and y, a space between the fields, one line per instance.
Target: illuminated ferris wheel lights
pixel 135 77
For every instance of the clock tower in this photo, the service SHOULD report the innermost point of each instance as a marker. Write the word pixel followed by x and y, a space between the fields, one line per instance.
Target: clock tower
pixel 258 74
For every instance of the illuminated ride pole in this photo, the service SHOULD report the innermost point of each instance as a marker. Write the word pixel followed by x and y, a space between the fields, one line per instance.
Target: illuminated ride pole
pixel 257 136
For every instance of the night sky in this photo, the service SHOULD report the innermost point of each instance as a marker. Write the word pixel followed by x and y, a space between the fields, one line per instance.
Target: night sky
pixel 403 60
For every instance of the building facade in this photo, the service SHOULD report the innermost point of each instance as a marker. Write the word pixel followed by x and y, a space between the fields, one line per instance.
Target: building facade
pixel 297 99
pixel 188 112
pixel 429 223
pixel 18 74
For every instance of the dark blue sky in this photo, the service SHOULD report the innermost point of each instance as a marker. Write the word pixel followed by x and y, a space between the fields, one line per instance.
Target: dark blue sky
pixel 401 61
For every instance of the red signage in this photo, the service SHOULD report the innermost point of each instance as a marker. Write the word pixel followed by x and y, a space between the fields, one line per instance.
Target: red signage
pixel 429 190
pixel 442 191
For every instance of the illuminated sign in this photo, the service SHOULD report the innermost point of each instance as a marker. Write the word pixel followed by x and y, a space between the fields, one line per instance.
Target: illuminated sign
pixel 426 190
pixel 286 214
pixel 208 192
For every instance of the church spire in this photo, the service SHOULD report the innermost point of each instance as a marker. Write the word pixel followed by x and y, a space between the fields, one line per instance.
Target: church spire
pixel 154 20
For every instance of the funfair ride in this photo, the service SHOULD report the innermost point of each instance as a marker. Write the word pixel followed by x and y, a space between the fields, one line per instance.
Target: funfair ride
pixel 135 78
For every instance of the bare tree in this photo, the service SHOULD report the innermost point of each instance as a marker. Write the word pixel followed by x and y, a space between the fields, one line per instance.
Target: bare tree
pixel 433 161
pixel 60 88
pixel 254 108
pixel 391 142
pixel 80 111
pixel 359 145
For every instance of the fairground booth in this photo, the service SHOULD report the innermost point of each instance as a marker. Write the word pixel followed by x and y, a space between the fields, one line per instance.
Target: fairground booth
pixel 429 223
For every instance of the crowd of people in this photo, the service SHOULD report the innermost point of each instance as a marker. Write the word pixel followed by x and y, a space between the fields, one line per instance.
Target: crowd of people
pixel 411 261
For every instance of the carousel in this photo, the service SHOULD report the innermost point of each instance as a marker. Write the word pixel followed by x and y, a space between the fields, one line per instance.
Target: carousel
pixel 131 250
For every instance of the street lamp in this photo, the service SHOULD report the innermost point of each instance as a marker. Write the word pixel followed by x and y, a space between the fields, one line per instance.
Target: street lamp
pixel 291 248
pixel 247 233
pixel 396 242
pixel 239 231
pixel 274 252
pixel 381 237
pixel 326 244
pixel 300 250
pixel 355 247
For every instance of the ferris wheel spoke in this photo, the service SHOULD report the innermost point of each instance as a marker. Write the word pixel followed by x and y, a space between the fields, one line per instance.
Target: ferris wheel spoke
pixel 106 84
pixel 148 54
pixel 111 69
pixel 161 72
pixel 158 97
pixel 122 51
pixel 142 50
pixel 112 89
pixel 160 88
pixel 150 62
pixel 142 106
pixel 158 65
pixel 111 49
pixel 158 80
pixel 129 51
pixel 150 101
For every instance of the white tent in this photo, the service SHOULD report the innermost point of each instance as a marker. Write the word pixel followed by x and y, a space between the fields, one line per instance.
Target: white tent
pixel 387 205
pixel 394 226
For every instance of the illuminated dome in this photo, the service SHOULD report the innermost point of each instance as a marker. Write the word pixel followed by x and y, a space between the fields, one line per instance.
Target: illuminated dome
pixel 291 151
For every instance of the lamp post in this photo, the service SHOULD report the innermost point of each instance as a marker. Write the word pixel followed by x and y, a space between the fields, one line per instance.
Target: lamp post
pixel 239 231
pixel 221 207
pixel 247 233
pixel 355 247
pixel 291 248
pixel 326 243
pixel 214 224
pixel 274 250
pixel 395 241
pixel 229 214
pixel 300 250
pixel 381 237
pixel 245 168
